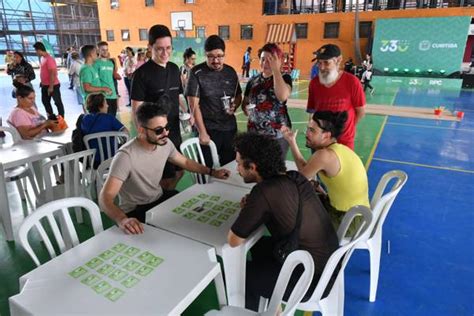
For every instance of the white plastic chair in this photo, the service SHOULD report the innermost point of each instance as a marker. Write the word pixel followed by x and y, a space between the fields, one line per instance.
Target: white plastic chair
pixel 76 180
pixel 191 149
pixel 294 259
pixel 333 304
pixel 20 173
pixel 102 173
pixel 66 236
pixel 380 204
pixel 108 143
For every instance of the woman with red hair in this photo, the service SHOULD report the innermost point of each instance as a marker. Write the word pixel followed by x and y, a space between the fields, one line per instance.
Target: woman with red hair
pixel 266 95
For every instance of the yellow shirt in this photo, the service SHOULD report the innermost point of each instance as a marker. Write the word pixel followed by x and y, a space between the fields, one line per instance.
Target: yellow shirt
pixel 350 186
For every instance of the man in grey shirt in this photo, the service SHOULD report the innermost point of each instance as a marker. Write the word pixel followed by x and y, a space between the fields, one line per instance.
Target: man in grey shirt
pixel 137 169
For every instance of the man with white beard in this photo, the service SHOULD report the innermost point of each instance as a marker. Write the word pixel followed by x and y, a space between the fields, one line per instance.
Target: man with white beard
pixel 336 91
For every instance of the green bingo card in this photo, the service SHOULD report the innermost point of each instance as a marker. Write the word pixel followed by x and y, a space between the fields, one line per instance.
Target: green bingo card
pixel 208 209
pixel 116 270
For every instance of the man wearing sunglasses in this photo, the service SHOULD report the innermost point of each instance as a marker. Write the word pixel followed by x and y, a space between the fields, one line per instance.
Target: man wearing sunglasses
pixel 338 167
pixel 138 167
pixel 214 93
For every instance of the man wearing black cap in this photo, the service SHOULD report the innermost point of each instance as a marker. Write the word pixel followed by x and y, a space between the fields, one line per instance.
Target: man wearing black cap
pixel 214 93
pixel 336 91
pixel 154 78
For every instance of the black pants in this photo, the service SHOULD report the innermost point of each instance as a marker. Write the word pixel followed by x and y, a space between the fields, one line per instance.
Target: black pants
pixel 246 70
pixel 367 85
pixel 140 211
pixel 128 85
pixel 112 107
pixel 224 142
pixel 46 99
pixel 262 274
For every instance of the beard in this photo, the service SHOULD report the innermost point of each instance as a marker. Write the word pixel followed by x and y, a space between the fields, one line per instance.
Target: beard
pixel 163 140
pixel 328 78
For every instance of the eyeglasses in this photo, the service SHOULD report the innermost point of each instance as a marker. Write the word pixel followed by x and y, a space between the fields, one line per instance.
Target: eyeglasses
pixel 159 130
pixel 212 57
pixel 161 50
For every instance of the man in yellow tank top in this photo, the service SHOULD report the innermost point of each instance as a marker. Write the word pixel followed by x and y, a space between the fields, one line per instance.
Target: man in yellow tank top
pixel 338 167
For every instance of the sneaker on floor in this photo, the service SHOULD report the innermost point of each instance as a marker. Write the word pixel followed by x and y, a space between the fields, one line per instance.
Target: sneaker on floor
pixel 372 91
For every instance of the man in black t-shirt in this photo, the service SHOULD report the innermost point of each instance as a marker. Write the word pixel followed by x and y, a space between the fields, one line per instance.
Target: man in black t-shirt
pixel 154 78
pixel 211 86
pixel 274 202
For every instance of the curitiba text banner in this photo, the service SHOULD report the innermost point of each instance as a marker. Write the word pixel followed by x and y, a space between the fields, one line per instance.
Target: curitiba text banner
pixel 421 43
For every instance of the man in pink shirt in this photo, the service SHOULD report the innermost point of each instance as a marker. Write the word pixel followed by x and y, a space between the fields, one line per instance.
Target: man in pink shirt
pixel 336 91
pixel 49 81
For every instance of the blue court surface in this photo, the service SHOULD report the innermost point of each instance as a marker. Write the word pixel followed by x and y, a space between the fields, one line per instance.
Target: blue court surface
pixel 427 265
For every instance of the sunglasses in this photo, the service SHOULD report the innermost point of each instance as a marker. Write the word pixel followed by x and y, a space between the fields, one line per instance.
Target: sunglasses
pixel 159 130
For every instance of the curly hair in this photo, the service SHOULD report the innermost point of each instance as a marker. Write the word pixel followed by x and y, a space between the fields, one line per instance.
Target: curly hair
pixel 148 110
pixel 263 151
pixel 333 122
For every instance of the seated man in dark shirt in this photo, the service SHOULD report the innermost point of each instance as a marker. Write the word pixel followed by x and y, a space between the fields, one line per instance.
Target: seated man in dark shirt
pixel 274 201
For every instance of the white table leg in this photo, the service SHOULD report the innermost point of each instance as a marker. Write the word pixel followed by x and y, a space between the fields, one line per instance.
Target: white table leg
pixel 5 207
pixel 234 271
pixel 235 262
pixel 219 282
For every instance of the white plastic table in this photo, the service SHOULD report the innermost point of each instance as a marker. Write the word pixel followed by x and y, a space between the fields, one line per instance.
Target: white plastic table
pixel 188 268
pixel 234 259
pixel 236 179
pixel 61 138
pixel 27 151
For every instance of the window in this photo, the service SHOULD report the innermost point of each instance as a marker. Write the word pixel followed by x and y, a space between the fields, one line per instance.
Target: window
pixel 301 30
pixel 125 35
pixel 201 31
pixel 246 32
pixel 365 29
pixel 189 1
pixel 181 34
pixel 143 34
pixel 331 30
pixel 114 4
pixel 110 35
pixel 224 32
pixel 149 3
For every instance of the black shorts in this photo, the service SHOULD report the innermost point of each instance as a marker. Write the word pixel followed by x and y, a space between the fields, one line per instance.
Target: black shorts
pixel 170 170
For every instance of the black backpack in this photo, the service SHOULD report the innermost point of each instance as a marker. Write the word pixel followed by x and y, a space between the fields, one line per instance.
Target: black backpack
pixel 77 135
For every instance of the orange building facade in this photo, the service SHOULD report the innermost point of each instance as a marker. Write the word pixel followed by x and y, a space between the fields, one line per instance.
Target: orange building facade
pixel 133 15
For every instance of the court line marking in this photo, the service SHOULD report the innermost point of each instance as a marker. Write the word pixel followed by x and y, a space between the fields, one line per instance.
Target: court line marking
pixel 429 126
pixel 376 143
pixel 423 165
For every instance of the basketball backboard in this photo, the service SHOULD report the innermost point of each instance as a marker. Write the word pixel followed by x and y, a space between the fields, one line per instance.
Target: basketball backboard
pixel 182 21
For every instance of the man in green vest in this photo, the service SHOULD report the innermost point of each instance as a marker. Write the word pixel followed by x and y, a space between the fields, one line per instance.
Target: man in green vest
pixel 105 69
pixel 88 76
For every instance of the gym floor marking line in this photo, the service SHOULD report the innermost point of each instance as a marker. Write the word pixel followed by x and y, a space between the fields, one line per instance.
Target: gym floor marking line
pixel 376 143
pixel 430 126
pixel 423 165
